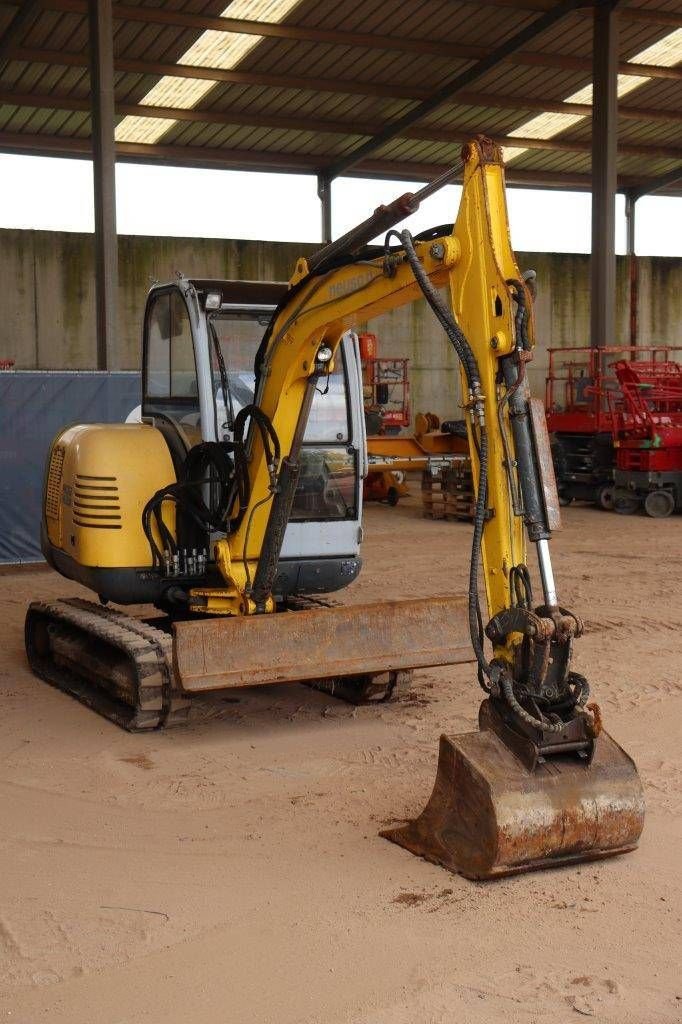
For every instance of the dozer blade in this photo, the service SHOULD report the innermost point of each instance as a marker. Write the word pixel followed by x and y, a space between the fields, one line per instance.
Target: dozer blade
pixel 489 816
pixel 321 643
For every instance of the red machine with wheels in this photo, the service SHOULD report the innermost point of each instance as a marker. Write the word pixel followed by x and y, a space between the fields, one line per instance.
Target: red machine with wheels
pixel 386 397
pixel 647 428
pixel 583 395
pixel 386 388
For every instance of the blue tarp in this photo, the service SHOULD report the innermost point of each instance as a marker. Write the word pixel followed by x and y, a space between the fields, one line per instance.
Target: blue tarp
pixel 34 406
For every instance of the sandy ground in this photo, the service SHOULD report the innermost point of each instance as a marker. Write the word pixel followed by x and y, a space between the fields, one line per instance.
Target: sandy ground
pixel 231 871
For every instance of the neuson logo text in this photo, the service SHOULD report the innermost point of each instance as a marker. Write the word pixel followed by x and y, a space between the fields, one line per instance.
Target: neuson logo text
pixel 350 285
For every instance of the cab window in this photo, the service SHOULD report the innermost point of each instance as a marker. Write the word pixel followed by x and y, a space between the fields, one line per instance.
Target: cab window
pixel 239 336
pixel 328 484
pixel 183 375
pixel 170 373
pixel 158 348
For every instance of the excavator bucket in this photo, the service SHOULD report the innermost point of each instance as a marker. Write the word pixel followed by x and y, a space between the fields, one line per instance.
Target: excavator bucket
pixel 489 815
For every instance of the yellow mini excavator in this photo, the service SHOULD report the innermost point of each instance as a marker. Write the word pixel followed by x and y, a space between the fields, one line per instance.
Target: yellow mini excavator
pixel 197 528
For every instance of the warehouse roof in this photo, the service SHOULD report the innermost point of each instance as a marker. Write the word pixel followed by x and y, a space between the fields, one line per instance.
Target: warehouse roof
pixel 308 85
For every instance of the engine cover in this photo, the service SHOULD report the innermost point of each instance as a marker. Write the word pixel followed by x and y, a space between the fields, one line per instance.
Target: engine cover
pixel 99 478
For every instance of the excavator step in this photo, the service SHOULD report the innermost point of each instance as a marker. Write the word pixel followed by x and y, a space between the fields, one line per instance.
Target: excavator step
pixel 346 640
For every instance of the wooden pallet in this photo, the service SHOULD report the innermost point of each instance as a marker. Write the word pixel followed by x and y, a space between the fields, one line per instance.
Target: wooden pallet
pixel 449 494
pixel 434 511
pixel 433 495
pixel 460 507
pixel 459 486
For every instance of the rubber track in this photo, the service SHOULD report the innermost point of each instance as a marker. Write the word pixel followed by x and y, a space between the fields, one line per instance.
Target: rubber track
pixel 159 702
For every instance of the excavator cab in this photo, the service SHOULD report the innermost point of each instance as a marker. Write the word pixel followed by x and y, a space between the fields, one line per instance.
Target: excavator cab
pixel 200 341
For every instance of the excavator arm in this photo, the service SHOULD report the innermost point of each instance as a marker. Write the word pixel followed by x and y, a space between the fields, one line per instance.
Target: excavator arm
pixel 473 264
pixel 487 317
pixel 494 809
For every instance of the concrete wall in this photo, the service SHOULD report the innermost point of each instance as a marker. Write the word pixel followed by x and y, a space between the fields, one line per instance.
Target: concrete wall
pixel 49 291
pixel 48 302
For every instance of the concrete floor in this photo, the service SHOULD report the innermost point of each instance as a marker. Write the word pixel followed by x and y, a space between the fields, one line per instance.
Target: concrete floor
pixel 231 871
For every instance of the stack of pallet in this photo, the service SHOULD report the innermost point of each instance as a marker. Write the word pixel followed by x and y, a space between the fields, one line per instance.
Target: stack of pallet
pixel 433 493
pixel 448 492
pixel 459 490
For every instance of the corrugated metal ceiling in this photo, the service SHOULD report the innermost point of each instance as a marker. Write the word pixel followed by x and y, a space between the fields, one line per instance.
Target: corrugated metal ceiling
pixel 301 103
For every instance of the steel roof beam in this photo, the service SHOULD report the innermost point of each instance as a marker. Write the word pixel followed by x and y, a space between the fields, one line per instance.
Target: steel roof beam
pixel 157 69
pixel 324 194
pixel 629 13
pixel 648 188
pixel 633 264
pixel 103 118
pixel 18 25
pixel 531 6
pixel 647 14
pixel 604 176
pixel 335 37
pixel 252 120
pixel 216 116
pixel 651 16
pixel 567 63
pixel 294 163
pixel 520 103
pixel 267 29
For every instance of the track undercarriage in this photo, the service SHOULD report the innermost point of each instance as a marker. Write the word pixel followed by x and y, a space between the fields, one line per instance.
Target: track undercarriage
pixel 117 665
pixel 141 675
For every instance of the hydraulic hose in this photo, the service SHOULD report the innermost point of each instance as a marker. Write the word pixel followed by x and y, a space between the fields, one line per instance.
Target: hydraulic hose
pixel 475 621
pixel 521 317
pixel 224 466
pixel 452 329
pixel 471 371
pixel 466 356
pixel 509 696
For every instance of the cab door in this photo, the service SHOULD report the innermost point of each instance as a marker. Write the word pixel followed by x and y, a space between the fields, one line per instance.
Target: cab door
pixel 173 366
pixel 326 516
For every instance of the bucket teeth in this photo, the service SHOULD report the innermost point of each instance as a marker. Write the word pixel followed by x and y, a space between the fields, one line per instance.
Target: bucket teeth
pixel 489 816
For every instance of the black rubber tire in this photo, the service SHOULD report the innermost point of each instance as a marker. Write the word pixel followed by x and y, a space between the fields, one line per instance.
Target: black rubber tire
pixel 392 497
pixel 565 500
pixel 605 497
pixel 625 505
pixel 659 504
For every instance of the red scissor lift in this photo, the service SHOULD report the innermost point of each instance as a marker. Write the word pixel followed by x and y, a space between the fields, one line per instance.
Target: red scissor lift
pixel 386 388
pixel 583 394
pixel 647 429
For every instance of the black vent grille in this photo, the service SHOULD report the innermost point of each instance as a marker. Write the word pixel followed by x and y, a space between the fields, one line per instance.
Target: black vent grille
pixel 96 502
pixel 54 482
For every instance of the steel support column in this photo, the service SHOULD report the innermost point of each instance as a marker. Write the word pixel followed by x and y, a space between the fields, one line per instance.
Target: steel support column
pixel 604 178
pixel 104 170
pixel 633 264
pixel 324 191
